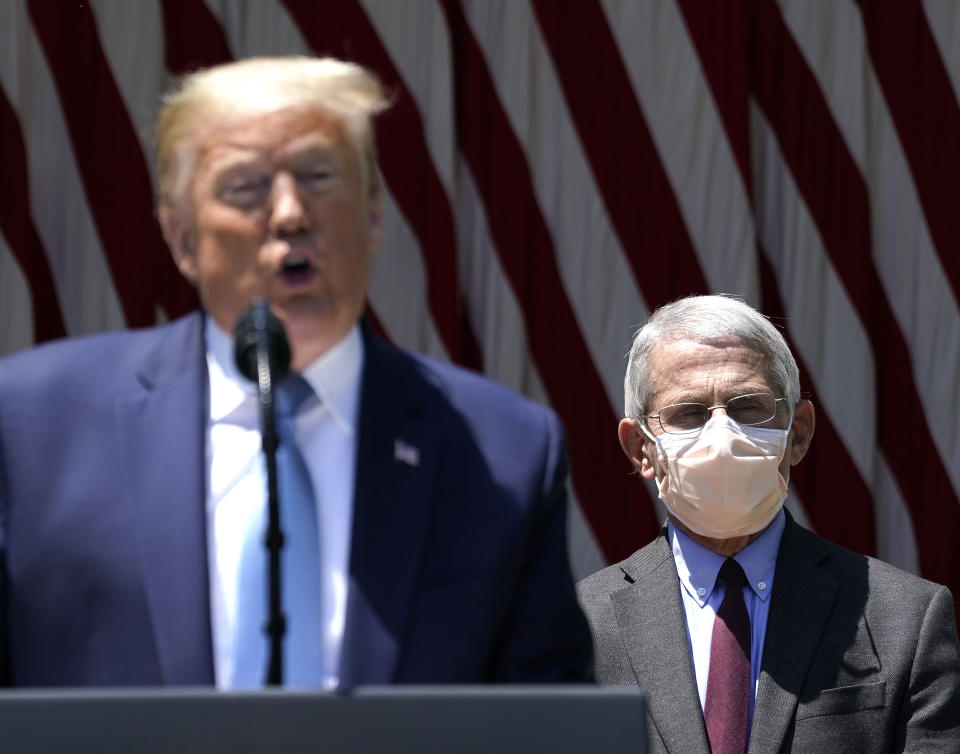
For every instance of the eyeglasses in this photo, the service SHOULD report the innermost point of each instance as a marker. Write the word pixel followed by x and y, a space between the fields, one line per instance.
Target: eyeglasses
pixel 750 409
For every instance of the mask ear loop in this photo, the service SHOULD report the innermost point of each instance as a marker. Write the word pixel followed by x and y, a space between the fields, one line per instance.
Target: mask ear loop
pixel 643 428
pixel 661 453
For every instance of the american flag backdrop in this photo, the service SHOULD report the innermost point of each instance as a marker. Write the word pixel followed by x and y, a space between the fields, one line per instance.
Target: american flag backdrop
pixel 555 171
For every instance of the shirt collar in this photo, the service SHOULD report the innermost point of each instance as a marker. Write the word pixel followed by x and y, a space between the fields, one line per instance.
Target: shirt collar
pixel 698 566
pixel 334 376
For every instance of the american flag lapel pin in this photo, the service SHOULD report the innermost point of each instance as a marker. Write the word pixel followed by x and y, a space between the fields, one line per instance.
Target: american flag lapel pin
pixel 406 453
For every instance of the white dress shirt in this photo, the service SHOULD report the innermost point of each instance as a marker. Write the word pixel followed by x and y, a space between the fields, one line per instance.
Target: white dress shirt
pixel 698 567
pixel 236 483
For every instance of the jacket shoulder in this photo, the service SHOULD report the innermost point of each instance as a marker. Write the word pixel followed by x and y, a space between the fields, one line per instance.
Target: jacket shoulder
pixel 597 587
pixel 90 361
pixel 883 579
pixel 485 402
pixel 463 384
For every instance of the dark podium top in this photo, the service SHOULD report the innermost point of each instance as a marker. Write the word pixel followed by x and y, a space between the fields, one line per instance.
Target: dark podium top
pixel 422 719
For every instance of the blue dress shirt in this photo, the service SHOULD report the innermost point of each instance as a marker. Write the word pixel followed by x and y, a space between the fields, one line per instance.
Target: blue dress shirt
pixel 698 567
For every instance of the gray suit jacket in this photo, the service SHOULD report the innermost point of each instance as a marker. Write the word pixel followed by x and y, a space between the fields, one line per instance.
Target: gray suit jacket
pixel 858 655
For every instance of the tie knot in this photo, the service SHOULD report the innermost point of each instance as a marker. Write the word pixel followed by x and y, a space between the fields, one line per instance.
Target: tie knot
pixel 290 395
pixel 731 574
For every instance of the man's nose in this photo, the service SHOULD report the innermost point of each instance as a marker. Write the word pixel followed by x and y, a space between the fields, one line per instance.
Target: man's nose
pixel 287 215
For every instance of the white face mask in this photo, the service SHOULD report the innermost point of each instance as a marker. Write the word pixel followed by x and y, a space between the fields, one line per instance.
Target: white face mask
pixel 723 481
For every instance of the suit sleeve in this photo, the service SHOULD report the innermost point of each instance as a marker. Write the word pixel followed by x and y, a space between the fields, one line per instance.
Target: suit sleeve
pixel 930 715
pixel 5 669
pixel 545 637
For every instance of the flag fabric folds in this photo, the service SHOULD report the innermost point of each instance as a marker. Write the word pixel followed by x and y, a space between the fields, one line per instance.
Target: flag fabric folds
pixel 554 171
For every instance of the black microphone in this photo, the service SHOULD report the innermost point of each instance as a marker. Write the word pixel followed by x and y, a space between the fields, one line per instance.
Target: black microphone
pixel 262 353
pixel 259 325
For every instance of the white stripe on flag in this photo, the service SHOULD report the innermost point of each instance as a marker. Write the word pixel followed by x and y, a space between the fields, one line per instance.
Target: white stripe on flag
pixel 16 304
pixel 598 282
pixel 60 210
pixel 825 329
pixel 833 42
pixel 676 101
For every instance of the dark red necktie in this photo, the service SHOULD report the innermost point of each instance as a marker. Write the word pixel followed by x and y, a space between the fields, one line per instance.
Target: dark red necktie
pixel 728 683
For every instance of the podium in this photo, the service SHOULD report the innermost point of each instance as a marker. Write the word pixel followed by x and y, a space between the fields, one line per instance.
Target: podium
pixel 371 720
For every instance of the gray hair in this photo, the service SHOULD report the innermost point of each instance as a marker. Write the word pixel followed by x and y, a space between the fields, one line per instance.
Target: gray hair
pixel 232 92
pixel 708 319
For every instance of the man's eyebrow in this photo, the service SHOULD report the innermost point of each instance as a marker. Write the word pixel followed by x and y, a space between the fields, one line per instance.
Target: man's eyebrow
pixel 682 398
pixel 235 159
pixel 691 397
pixel 308 145
pixel 666 399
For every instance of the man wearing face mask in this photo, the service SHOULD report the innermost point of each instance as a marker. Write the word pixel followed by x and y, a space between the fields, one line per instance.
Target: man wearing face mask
pixel 749 632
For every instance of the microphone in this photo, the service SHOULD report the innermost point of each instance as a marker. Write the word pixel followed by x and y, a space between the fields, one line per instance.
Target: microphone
pixel 258 325
pixel 262 354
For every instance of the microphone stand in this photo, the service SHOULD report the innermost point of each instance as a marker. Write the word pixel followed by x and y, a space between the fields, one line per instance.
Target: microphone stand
pixel 258 322
pixel 276 622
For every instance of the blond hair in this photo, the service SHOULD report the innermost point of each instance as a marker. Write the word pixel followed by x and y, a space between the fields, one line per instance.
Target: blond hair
pixel 227 94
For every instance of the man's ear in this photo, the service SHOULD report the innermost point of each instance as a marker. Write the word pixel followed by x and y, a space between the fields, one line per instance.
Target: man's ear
pixel 179 237
pixel 638 448
pixel 801 431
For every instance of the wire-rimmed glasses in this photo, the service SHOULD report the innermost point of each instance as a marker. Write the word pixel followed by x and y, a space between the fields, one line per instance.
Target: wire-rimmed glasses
pixel 750 409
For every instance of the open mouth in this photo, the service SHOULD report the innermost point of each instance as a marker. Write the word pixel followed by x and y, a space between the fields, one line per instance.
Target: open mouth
pixel 296 270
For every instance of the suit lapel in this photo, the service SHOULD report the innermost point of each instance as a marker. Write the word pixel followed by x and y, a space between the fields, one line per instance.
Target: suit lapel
pixel 653 628
pixel 162 436
pixel 397 457
pixel 803 597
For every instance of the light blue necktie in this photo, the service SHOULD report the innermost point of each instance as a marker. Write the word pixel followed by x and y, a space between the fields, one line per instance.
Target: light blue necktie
pixel 299 564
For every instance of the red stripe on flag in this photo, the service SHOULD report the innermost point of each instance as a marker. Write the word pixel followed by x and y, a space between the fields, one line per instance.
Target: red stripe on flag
pixel 623 157
pixel 16 224
pixel 828 475
pixel 834 494
pixel 836 195
pixel 111 163
pixel 924 108
pixel 615 503
pixel 342 29
pixel 192 36
pixel 719 34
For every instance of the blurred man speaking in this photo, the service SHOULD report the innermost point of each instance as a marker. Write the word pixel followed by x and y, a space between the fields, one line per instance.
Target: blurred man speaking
pixel 749 632
pixel 131 479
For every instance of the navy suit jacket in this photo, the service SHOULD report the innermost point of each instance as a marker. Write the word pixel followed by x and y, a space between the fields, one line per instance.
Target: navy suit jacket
pixel 458 566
